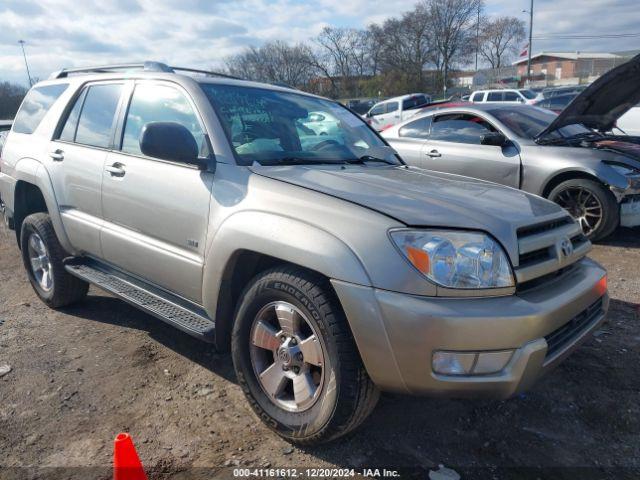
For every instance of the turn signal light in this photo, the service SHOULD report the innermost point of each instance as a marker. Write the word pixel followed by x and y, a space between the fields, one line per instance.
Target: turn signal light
pixel 601 286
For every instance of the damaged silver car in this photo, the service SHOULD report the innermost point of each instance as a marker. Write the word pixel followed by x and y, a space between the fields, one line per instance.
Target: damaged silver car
pixel 573 158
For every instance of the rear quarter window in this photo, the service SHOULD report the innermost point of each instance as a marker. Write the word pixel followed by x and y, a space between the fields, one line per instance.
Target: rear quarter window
pixel 416 129
pixel 35 106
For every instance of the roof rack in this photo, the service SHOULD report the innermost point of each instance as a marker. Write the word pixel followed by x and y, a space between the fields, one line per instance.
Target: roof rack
pixel 145 67
pixel 205 72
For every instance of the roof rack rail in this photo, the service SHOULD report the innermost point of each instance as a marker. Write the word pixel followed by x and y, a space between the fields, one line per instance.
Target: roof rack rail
pixel 205 72
pixel 144 66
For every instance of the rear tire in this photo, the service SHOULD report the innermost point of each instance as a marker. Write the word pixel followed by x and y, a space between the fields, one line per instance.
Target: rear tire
pixel 340 393
pixel 42 256
pixel 585 198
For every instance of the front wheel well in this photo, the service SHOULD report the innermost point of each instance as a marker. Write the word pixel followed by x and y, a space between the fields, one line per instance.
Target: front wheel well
pixel 243 266
pixel 564 176
pixel 28 199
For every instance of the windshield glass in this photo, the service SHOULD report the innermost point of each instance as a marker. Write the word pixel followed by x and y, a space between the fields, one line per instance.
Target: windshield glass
pixel 529 122
pixel 274 127
pixel 528 94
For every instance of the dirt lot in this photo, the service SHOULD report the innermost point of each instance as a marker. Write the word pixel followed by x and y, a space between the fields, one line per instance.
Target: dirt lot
pixel 82 375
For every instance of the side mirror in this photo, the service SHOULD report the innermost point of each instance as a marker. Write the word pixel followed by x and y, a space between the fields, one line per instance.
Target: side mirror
pixel 494 139
pixel 170 141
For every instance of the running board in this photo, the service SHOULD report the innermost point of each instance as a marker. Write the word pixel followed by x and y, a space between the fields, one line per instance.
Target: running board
pixel 168 308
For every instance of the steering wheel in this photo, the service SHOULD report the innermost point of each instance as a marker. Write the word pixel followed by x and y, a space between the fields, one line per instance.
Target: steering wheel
pixel 326 144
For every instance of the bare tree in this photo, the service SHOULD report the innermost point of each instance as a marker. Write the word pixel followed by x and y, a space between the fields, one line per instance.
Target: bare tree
pixel 374 44
pixel 11 96
pixel 406 47
pixel 274 62
pixel 414 51
pixel 453 25
pixel 343 56
pixel 499 39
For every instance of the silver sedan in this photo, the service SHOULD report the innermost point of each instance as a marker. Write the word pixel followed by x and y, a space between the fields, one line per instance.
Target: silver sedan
pixel 595 177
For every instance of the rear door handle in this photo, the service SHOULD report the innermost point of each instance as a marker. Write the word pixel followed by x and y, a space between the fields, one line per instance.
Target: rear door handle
pixel 434 154
pixel 57 155
pixel 116 170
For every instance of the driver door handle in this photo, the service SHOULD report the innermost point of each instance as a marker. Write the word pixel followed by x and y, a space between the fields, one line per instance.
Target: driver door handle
pixel 434 154
pixel 57 155
pixel 116 170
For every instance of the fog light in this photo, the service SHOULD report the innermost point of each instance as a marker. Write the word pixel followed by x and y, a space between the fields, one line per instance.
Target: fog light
pixel 492 362
pixel 470 363
pixel 452 363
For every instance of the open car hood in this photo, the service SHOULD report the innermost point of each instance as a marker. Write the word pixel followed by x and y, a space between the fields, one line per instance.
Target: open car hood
pixel 604 101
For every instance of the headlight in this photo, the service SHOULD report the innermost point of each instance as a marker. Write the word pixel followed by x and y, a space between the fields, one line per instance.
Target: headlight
pixel 455 259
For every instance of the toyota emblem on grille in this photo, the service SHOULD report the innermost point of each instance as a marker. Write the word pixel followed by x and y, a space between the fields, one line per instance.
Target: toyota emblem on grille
pixel 566 247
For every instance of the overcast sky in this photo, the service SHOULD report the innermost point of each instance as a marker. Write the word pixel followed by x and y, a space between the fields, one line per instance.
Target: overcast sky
pixel 201 33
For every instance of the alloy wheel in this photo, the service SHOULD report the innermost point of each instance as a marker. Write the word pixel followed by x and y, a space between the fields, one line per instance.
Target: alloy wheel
pixel 583 205
pixel 287 356
pixel 40 262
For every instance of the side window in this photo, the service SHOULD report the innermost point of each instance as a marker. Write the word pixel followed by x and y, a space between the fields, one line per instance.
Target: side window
pixel 95 126
pixel 392 107
pixel 159 103
pixel 378 110
pixel 35 106
pixel 416 129
pixel 558 102
pixel 459 128
pixel 68 133
pixel 414 102
pixel 511 97
pixel 476 97
pixel 494 97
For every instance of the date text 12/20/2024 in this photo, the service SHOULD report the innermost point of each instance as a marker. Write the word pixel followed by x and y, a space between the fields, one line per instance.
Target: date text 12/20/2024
pixel 314 472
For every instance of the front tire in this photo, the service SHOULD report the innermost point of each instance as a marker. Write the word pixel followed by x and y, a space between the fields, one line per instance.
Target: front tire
pixel 296 360
pixel 591 204
pixel 42 256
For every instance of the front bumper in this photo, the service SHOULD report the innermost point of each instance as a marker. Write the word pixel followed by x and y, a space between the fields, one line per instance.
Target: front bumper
pixel 397 333
pixel 630 211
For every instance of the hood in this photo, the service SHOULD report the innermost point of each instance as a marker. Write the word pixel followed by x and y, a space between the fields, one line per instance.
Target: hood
pixel 604 101
pixel 420 198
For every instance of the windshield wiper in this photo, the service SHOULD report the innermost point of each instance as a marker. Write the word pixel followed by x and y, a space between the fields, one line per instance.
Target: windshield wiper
pixel 370 158
pixel 570 138
pixel 297 161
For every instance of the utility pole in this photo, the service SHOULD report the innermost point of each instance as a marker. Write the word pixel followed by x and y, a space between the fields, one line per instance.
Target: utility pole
pixel 530 38
pixel 22 42
pixel 478 36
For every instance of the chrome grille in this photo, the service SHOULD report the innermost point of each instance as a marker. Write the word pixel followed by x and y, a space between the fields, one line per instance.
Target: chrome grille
pixel 549 247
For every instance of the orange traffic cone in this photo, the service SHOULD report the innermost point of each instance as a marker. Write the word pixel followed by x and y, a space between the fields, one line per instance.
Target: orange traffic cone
pixel 126 463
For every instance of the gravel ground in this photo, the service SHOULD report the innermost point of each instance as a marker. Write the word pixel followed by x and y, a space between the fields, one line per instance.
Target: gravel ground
pixel 81 375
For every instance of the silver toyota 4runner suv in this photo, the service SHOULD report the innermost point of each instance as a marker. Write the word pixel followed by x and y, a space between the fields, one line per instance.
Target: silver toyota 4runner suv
pixel 328 267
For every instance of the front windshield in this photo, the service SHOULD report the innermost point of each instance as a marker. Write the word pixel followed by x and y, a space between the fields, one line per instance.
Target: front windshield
pixel 529 122
pixel 528 94
pixel 275 127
